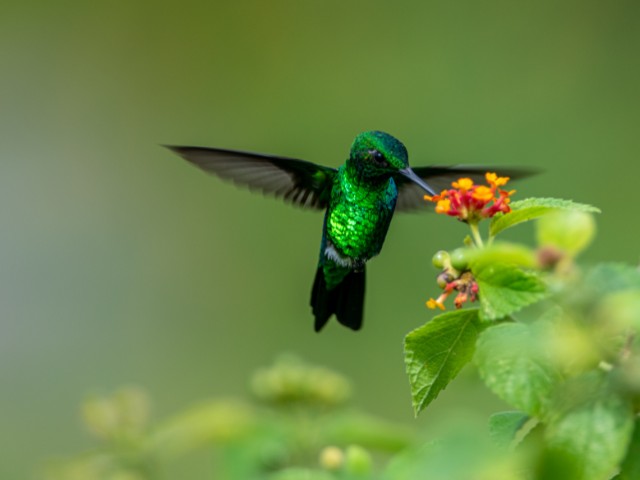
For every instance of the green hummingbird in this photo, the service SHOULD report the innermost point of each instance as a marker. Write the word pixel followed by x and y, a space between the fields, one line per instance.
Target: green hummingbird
pixel 359 199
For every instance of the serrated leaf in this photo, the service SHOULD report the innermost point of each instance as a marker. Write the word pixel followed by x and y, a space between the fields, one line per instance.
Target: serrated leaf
pixel 555 203
pixel 512 362
pixel 505 289
pixel 436 352
pixel 503 427
pixel 630 469
pixel 593 434
pixel 530 208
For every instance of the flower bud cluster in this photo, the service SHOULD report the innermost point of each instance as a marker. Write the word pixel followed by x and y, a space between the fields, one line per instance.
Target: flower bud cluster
pixel 455 276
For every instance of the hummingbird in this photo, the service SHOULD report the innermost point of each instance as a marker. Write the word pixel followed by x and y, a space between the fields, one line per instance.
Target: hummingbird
pixel 359 199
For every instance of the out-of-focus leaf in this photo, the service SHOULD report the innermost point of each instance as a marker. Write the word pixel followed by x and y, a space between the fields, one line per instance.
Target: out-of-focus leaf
pixel 213 422
pixel 295 473
pixel 125 412
pixel 464 452
pixel 503 427
pixel 530 208
pixel 291 381
pixel 590 427
pixel 613 277
pixel 357 428
pixel 630 469
pixel 513 364
pixel 436 352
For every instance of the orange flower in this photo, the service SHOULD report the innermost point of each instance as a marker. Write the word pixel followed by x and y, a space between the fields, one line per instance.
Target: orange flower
pixel 471 203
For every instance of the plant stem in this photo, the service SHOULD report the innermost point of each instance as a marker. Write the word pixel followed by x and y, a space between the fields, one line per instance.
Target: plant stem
pixel 475 233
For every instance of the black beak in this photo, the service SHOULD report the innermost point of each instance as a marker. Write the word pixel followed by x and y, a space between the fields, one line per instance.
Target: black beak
pixel 407 172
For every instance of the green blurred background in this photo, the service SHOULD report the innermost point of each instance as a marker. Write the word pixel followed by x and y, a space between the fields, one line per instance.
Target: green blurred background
pixel 121 264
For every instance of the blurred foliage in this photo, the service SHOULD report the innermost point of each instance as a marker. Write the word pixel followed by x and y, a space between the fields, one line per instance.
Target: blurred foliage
pixel 555 340
pixel 297 426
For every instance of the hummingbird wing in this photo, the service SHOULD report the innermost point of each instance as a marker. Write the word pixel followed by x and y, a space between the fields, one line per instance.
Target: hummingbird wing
pixel 411 196
pixel 296 181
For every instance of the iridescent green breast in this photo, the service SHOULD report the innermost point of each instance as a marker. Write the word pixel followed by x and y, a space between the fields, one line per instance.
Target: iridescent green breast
pixel 358 216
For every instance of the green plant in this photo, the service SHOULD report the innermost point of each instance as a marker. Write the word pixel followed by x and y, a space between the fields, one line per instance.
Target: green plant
pixel 555 341
pixel 296 426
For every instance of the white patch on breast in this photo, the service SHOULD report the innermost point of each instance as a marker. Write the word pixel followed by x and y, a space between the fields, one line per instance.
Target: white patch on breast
pixel 331 253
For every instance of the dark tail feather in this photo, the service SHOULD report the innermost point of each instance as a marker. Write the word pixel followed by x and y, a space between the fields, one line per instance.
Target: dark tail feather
pixel 346 300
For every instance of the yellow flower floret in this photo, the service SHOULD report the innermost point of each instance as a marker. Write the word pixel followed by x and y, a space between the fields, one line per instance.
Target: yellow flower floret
pixel 463 184
pixel 433 304
pixel 443 206
pixel 482 193
pixel 495 181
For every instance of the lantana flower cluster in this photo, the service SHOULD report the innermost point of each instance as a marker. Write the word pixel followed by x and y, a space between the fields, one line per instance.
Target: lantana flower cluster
pixel 471 203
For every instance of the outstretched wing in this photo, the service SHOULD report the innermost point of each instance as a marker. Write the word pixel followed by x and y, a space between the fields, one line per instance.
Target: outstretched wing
pixel 301 183
pixel 411 196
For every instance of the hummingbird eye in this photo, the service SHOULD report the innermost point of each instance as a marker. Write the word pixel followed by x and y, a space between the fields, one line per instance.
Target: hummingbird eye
pixel 378 158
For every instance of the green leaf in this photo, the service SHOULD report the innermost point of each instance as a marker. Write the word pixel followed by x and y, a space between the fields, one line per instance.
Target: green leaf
pixel 436 352
pixel 592 433
pixel 500 252
pixel 530 208
pixel 505 289
pixel 630 469
pixel 512 362
pixel 503 427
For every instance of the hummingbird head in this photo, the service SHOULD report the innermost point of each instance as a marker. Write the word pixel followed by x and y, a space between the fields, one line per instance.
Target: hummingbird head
pixel 378 155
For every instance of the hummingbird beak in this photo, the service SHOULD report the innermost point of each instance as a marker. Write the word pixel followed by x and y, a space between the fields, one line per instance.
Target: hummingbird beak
pixel 407 172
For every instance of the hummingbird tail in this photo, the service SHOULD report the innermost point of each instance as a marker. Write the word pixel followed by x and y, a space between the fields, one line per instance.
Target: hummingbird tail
pixel 345 300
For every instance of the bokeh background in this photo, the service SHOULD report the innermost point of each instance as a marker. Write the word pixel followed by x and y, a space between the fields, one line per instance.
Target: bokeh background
pixel 121 264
